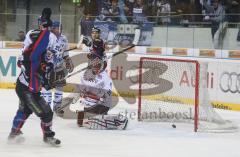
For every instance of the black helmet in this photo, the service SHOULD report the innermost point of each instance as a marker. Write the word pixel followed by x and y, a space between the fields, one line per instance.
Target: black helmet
pixel 96 29
pixel 44 22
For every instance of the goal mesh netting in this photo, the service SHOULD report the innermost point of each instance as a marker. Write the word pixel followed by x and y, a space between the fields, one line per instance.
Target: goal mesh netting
pixel 174 90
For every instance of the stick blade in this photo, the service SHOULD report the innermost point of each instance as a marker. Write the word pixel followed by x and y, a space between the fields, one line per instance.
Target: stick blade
pixel 137 36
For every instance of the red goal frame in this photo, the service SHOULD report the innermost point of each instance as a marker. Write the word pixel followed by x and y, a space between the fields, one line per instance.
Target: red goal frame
pixel 196 108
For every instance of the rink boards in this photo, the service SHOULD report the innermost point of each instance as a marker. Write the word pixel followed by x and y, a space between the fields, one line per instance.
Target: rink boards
pixel 223 79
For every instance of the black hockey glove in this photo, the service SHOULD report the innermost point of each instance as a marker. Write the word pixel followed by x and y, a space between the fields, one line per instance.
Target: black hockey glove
pixel 48 82
pixel 86 41
pixel 69 64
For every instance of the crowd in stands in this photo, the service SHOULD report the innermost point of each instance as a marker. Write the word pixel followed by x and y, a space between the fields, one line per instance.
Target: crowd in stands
pixel 161 11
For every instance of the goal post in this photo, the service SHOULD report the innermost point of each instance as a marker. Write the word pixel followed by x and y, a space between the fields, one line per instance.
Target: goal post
pixel 175 90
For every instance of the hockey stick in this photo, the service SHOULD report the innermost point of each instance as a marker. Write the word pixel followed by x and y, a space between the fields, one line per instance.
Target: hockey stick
pixel 109 57
pixel 60 14
pixel 135 41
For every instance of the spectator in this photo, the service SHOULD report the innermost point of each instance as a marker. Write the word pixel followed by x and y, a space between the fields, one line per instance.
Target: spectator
pixel 233 10
pixel 114 11
pixel 164 9
pixel 104 12
pixel 128 9
pixel 217 18
pixel 151 9
pixel 216 15
pixel 87 25
pixel 139 12
pixel 21 36
pixel 110 11
pixel 90 7
pixel 183 9
pixel 121 6
pixel 208 2
pixel 197 11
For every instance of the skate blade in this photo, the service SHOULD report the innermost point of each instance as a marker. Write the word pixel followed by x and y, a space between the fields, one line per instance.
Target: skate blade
pixel 53 143
pixel 16 140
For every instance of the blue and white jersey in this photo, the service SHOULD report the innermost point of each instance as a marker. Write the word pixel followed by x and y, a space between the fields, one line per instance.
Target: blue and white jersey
pixel 60 46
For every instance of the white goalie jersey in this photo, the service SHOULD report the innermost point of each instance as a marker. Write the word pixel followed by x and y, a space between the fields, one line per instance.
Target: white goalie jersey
pixel 95 89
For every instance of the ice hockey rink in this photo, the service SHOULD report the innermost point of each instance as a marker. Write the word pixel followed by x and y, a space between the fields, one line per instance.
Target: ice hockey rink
pixel 139 140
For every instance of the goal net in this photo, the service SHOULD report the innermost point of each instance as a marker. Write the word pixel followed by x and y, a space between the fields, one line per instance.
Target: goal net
pixel 180 94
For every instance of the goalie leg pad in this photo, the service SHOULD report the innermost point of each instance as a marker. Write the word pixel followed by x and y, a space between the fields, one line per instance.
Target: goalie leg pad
pixel 97 109
pixel 106 122
pixel 83 115
pixel 90 112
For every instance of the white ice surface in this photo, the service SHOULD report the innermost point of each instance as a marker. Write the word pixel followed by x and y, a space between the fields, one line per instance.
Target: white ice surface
pixel 139 140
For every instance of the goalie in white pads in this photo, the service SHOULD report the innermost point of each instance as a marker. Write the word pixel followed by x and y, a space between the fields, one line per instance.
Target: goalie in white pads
pixel 95 90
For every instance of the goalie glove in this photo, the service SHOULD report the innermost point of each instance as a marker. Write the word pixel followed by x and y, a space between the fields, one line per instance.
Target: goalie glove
pixel 69 64
pixel 86 41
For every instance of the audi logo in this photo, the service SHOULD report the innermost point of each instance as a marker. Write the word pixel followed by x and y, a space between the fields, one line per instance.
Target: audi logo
pixel 230 82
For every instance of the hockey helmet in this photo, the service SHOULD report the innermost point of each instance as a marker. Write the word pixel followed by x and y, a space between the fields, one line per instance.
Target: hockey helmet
pixel 96 29
pixel 44 20
pixel 56 24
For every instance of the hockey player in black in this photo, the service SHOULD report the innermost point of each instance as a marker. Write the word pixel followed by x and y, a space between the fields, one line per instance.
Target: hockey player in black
pixel 36 67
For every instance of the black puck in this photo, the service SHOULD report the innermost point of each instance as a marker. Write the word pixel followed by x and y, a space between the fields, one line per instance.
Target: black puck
pixel 173 125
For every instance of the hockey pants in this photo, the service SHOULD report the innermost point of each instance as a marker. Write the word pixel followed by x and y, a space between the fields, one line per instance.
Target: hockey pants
pixel 29 103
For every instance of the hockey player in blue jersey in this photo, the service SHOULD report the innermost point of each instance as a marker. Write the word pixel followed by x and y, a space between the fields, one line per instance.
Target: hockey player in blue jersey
pixel 62 66
pixel 36 67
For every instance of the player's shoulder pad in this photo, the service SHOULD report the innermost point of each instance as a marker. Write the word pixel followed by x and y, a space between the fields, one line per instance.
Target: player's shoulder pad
pixel 52 36
pixel 34 34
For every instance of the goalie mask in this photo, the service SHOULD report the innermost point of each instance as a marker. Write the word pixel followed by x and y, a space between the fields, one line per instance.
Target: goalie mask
pixel 97 64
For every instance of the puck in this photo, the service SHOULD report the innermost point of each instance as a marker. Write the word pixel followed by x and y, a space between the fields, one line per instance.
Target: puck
pixel 173 125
